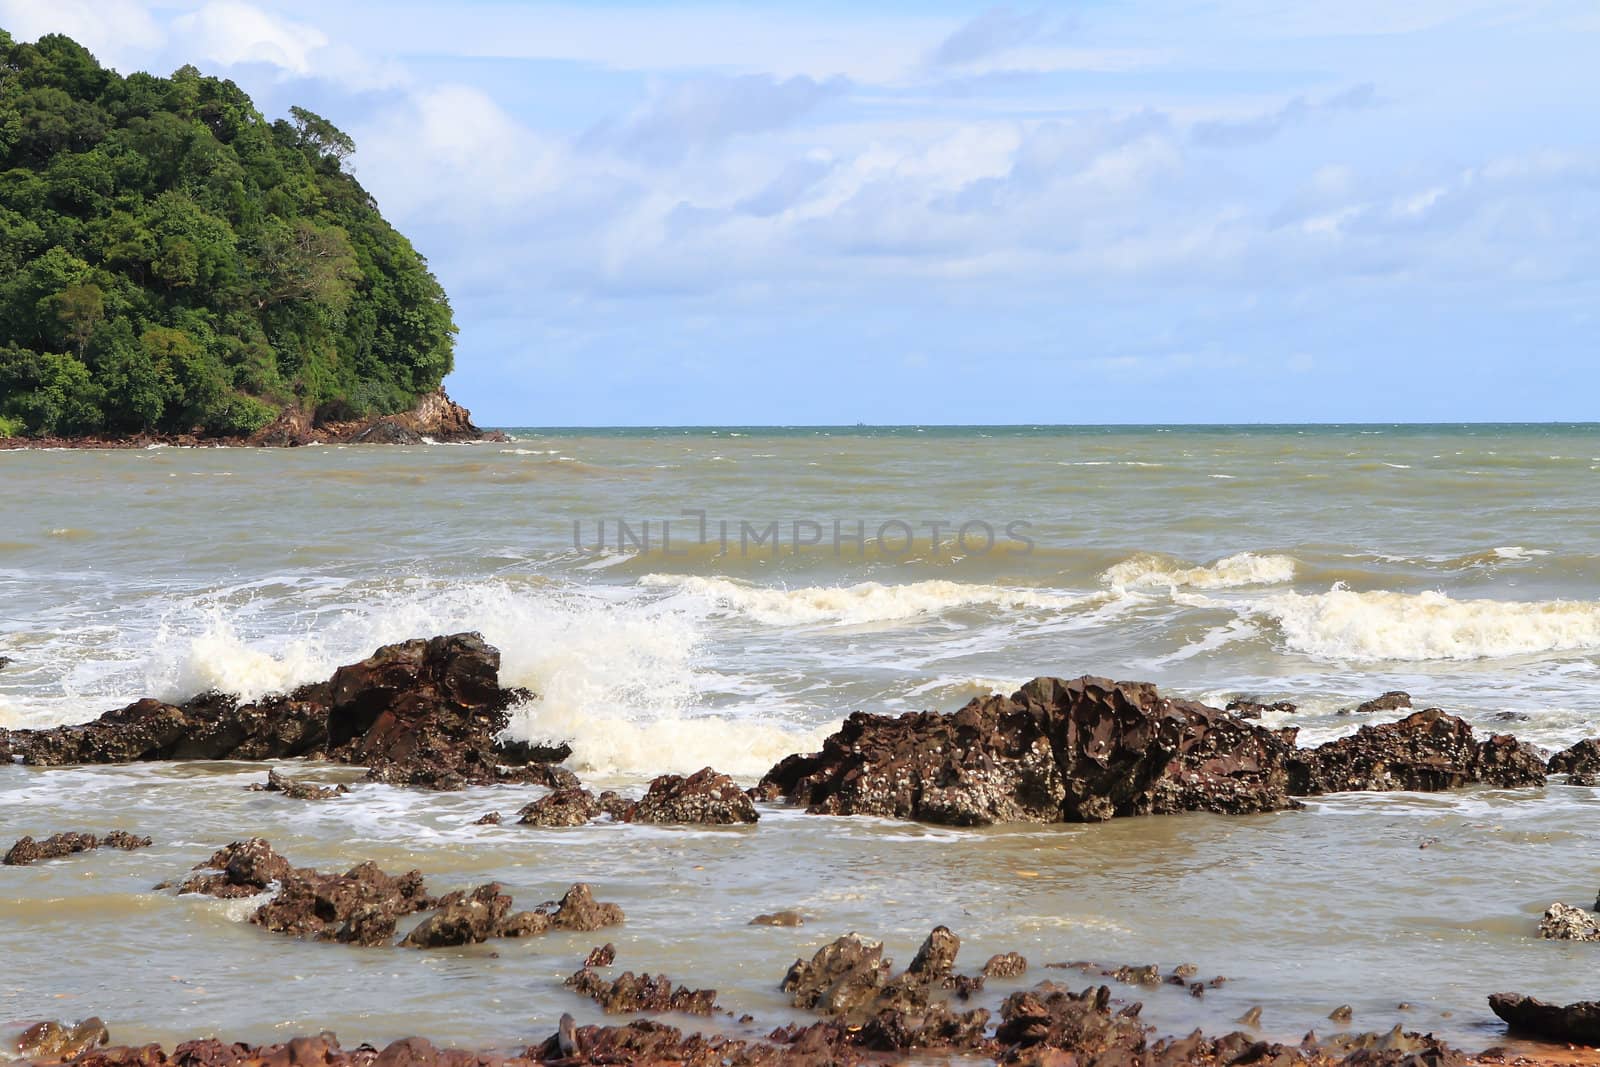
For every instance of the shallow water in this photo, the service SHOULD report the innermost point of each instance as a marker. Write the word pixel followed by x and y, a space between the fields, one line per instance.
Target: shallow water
pixel 1319 565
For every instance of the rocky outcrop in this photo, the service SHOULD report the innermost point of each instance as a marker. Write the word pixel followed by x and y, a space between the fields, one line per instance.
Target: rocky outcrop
pixel 630 993
pixel 1580 763
pixel 242 869
pixel 1092 749
pixel 1425 751
pixel 421 712
pixel 706 796
pixel 473 918
pixel 1562 922
pixel 578 910
pixel 1393 700
pixel 1005 965
pixel 363 906
pixel 1074 751
pixel 1577 1023
pixel 27 850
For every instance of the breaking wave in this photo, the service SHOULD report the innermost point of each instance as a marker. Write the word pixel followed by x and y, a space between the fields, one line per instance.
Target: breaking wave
pixel 1159 572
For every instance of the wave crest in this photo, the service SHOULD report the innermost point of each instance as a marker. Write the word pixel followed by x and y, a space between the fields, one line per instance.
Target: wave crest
pixel 1161 572
pixel 864 602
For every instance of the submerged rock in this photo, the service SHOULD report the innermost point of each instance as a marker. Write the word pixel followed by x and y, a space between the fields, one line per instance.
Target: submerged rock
pixel 642 993
pixel 1425 751
pixel 298 790
pixel 707 796
pixel 53 1042
pixel 1394 700
pixel 1561 922
pixel 421 712
pixel 1082 750
pixel 1578 1023
pixel 473 918
pixel 779 918
pixel 1005 965
pixel 578 910
pixel 363 906
pixel 242 869
pixel 1252 709
pixel 27 850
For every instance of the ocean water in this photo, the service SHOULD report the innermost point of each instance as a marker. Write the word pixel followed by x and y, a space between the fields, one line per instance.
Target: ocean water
pixel 683 598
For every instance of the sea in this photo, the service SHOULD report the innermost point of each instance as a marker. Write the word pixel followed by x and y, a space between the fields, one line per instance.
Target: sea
pixel 677 598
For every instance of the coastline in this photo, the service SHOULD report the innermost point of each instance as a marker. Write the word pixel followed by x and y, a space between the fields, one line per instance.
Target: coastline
pixel 436 418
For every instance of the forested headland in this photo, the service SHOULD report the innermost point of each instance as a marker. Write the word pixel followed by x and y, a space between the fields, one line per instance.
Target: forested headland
pixel 172 262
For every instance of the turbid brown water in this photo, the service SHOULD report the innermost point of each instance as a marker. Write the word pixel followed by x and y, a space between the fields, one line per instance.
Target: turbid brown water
pixel 1317 565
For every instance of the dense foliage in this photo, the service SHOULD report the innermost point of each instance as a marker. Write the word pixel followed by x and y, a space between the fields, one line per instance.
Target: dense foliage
pixel 172 261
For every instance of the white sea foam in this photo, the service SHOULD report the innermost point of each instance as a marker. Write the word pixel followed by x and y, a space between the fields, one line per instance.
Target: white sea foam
pixel 1372 626
pixel 1241 569
pixel 865 602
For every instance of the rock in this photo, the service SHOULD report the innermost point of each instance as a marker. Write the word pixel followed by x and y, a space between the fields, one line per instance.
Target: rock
pixel 1394 700
pixel 27 850
pixel 1251 1018
pixel 6 661
pixel 1342 1014
pixel 243 869
pixel 840 978
pixel 578 910
pixel 53 1042
pixel 1005 965
pixel 1427 750
pixel 491 819
pixel 562 807
pixel 706 796
pixel 1053 1017
pixel 463 919
pixel 1250 709
pixel 360 907
pixel 779 918
pixel 1564 923
pixel 297 790
pixel 638 993
pixel 387 432
pixel 935 960
pixel 1082 750
pixel 614 805
pixel 422 712
pixel 604 956
pixel 1576 1023
pixel 1580 763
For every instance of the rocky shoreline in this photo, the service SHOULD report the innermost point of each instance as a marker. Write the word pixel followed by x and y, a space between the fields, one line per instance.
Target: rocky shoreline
pixel 435 418
pixel 430 713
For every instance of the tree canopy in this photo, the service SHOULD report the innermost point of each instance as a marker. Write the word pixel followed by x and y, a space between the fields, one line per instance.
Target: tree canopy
pixel 171 261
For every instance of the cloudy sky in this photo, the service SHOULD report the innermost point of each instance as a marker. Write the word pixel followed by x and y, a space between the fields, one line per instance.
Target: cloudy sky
pixel 824 212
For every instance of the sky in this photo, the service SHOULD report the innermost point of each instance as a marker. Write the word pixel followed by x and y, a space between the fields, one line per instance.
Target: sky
pixel 829 213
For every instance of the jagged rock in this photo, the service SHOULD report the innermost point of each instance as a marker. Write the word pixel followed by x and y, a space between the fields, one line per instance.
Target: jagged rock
pixel 614 805
pixel 1580 763
pixel 491 819
pixel 298 790
pixel 562 807
pixel 1564 923
pixel 1052 1017
pixel 578 910
pixel 604 956
pixel 636 993
pixel 1342 1014
pixel 1393 700
pixel 422 712
pixel 779 918
pixel 1005 965
pixel 1427 750
pixel 53 1042
pixel 473 918
pixel 27 850
pixel 1578 1023
pixel 840 978
pixel 242 869
pixel 360 907
pixel 1081 750
pixel 706 796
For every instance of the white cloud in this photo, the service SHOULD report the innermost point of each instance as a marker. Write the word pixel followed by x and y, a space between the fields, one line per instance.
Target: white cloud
pixel 231 33
pixel 116 31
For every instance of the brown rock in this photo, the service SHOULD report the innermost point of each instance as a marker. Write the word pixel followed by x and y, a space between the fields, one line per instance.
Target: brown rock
pixel 706 796
pixel 1394 700
pixel 243 869
pixel 779 918
pixel 578 910
pixel 298 790
pixel 1576 1023
pixel 1580 763
pixel 1427 750
pixel 642 993
pixel 27 850
pixel 604 956
pixel 53 1042
pixel 1005 965
pixel 562 807
pixel 360 907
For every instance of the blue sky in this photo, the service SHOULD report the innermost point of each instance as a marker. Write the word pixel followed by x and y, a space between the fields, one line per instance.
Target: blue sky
pixel 1207 211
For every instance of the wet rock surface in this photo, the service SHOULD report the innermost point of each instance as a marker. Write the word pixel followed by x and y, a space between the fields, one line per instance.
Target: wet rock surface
pixel 360 907
pixel 1254 709
pixel 421 712
pixel 1425 751
pixel 578 910
pixel 54 1042
pixel 630 993
pixel 295 789
pixel 707 797
pixel 471 918
pixel 562 807
pixel 1578 1023
pixel 1394 700
pixel 1580 763
pixel 27 850
pixel 779 918
pixel 1083 750
pixel 1562 922
pixel 1005 965
pixel 1092 749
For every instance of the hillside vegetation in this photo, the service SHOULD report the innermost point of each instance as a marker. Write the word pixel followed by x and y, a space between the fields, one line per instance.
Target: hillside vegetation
pixel 171 261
